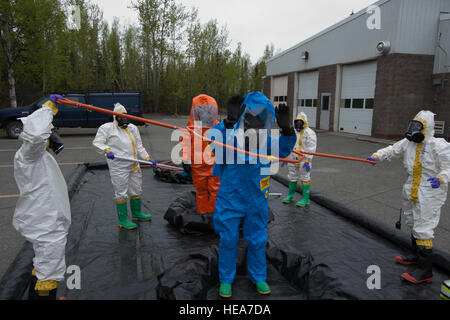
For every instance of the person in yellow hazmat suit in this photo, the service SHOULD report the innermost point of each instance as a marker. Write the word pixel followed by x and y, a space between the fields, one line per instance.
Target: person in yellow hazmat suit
pixel 306 141
pixel 122 139
pixel 427 163
pixel 42 213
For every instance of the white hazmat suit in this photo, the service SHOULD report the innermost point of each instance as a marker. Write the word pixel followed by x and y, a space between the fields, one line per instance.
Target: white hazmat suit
pixel 421 203
pixel 42 212
pixel 427 163
pixel 306 141
pixel 126 176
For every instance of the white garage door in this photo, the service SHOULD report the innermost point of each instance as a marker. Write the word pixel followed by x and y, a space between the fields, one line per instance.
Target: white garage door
pixel 357 97
pixel 308 83
pixel 280 89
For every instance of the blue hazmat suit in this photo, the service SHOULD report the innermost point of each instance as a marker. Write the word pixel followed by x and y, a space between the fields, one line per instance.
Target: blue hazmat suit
pixel 244 190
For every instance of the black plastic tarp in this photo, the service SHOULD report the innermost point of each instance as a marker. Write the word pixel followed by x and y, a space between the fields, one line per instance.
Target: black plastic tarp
pixel 313 253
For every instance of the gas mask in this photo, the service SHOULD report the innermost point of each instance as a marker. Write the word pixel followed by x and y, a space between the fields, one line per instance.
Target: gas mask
pixel 299 125
pixel 414 132
pixel 123 122
pixel 55 143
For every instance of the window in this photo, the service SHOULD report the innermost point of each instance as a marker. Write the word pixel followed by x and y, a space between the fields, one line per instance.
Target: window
pixel 308 103
pixel 358 104
pixel 325 102
pixel 275 99
pixel 369 103
pixel 314 102
pixel 73 98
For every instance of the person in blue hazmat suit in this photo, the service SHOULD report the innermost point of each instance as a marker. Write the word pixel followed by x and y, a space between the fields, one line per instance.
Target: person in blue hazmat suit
pixel 42 215
pixel 245 182
pixel 427 163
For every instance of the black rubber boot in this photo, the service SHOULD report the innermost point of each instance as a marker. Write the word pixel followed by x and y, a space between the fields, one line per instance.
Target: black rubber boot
pixel 31 291
pixel 424 270
pixel 410 258
pixel 43 290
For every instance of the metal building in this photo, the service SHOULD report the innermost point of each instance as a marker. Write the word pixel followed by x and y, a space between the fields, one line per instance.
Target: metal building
pixel 372 72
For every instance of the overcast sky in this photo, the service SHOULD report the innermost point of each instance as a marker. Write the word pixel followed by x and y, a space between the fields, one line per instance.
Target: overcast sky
pixel 256 23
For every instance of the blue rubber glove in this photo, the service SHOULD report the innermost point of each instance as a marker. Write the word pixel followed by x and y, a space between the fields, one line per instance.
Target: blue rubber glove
pixel 54 97
pixel 435 182
pixel 284 163
pixel 307 167
pixel 152 162
pixel 372 159
pixel 110 155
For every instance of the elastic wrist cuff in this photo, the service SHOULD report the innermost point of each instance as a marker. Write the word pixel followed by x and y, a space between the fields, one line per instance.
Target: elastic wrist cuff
pixel 375 156
pixel 107 150
pixel 441 180
pixel 147 159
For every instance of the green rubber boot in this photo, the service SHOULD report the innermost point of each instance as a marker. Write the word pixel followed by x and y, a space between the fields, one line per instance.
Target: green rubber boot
pixel 136 214
pixel 292 188
pixel 225 290
pixel 122 212
pixel 262 287
pixel 305 201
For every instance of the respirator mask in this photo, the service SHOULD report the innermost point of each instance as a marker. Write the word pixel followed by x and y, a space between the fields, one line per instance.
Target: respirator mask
pixel 55 143
pixel 414 132
pixel 299 125
pixel 123 122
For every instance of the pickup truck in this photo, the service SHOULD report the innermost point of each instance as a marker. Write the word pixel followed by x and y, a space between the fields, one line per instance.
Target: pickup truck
pixel 73 117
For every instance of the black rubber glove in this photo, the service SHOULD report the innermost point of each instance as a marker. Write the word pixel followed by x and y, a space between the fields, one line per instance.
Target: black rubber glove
pixel 282 114
pixel 234 111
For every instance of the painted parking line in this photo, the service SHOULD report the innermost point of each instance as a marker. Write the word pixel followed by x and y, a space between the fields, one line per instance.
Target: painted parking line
pixel 61 164
pixel 9 196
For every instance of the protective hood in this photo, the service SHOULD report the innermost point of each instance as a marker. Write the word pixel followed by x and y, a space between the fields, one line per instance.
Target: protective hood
pixel 204 109
pixel 119 109
pixel 258 107
pixel 427 119
pixel 33 130
pixel 302 116
pixel 257 104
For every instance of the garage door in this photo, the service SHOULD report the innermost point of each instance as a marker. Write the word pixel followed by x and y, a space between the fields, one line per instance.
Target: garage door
pixel 308 83
pixel 280 89
pixel 357 97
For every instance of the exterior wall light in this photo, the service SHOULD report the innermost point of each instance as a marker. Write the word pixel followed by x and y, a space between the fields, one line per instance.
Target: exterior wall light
pixel 383 47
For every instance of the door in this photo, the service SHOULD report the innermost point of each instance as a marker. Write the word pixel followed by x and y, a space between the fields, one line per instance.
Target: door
pixel 280 89
pixel 307 96
pixel 357 98
pixel 325 111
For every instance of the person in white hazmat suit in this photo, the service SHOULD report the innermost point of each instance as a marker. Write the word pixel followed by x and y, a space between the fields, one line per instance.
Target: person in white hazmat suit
pixel 306 141
pixel 42 213
pixel 122 139
pixel 427 163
